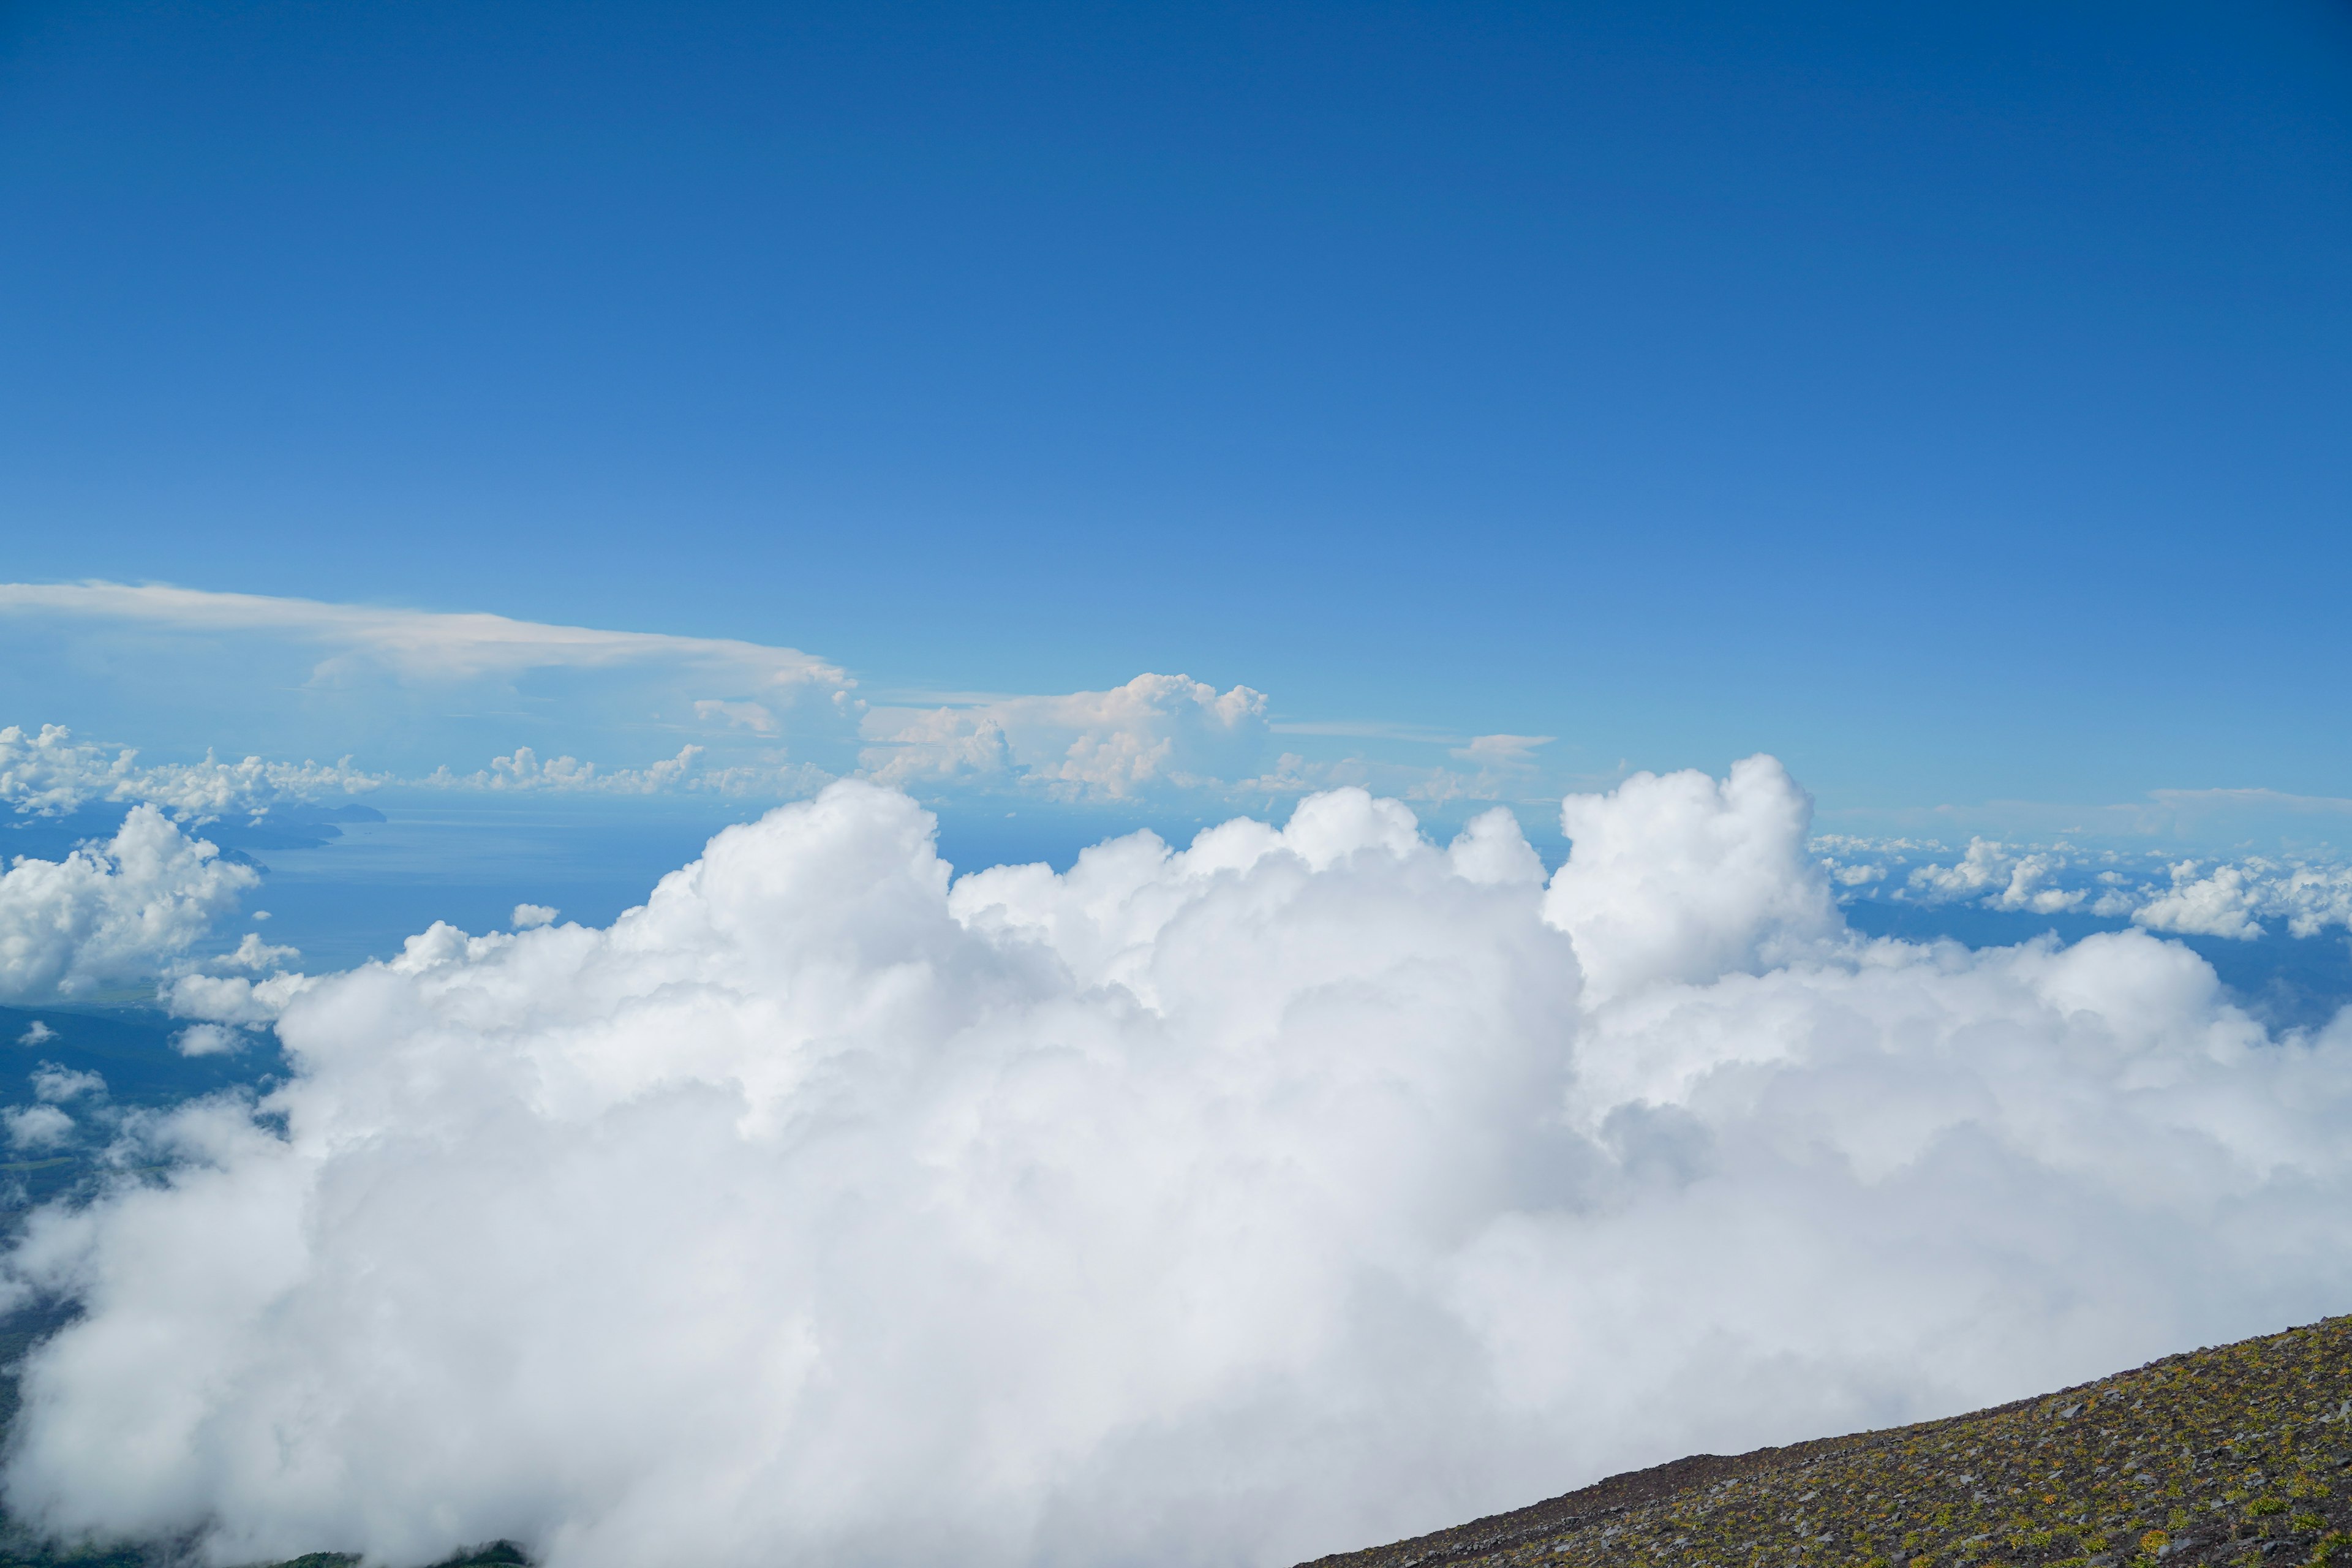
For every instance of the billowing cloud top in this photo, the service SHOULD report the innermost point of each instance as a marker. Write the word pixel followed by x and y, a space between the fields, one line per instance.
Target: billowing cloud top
pixel 1292 1191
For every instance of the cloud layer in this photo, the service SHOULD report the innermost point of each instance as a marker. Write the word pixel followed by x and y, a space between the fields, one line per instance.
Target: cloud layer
pixel 1290 1192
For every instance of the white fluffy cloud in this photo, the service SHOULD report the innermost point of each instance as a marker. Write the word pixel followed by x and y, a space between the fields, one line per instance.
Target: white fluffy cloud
pixel 49 772
pixel 1157 729
pixel 113 913
pixel 1284 1193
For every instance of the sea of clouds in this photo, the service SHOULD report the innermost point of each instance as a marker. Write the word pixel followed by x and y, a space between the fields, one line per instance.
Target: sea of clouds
pixel 1291 1192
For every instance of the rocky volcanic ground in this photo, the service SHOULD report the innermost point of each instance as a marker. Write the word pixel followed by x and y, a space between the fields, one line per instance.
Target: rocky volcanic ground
pixel 2240 1454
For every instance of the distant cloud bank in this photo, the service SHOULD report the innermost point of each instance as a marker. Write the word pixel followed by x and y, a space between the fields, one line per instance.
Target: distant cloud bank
pixel 633 712
pixel 46 772
pixel 2184 898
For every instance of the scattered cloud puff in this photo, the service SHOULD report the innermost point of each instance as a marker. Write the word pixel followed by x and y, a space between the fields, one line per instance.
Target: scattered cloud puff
pixel 208 1040
pixel 54 1085
pixel 233 999
pixel 114 913
pixel 37 1128
pixel 528 917
pixel 36 1033
pixel 1294 1190
pixel 49 773
pixel 1156 731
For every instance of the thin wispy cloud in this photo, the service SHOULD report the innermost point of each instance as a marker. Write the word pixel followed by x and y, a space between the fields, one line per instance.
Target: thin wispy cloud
pixel 423 644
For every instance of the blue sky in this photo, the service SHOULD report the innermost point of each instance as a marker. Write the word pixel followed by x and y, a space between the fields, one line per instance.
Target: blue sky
pixel 456 459
pixel 1951 403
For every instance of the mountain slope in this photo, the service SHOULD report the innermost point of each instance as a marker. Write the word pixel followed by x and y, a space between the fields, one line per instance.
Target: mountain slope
pixel 2237 1455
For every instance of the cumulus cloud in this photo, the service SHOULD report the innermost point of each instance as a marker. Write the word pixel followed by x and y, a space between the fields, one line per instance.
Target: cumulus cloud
pixel 49 772
pixel 1157 729
pixel 2219 904
pixel 112 913
pixel 1283 1193
pixel 36 1033
pixel 527 916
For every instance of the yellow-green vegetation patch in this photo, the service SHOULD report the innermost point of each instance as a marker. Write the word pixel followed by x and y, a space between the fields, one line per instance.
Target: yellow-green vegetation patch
pixel 2240 1456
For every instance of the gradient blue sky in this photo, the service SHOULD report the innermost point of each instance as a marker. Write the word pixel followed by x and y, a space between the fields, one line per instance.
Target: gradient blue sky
pixel 1951 399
